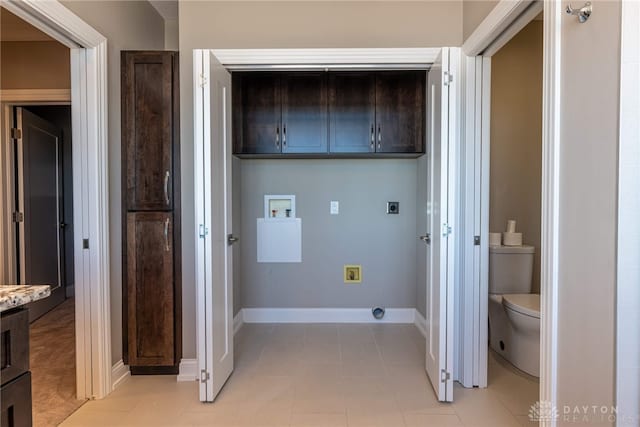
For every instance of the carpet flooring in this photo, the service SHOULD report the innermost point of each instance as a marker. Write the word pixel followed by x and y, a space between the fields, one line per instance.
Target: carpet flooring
pixel 53 366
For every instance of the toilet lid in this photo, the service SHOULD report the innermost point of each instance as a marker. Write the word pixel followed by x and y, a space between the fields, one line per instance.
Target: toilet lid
pixel 527 304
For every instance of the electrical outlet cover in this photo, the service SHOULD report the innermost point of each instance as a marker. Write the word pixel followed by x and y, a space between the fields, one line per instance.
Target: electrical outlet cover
pixel 352 274
pixel 334 207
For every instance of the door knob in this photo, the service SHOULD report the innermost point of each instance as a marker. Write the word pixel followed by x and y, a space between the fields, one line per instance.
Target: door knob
pixel 231 239
pixel 426 238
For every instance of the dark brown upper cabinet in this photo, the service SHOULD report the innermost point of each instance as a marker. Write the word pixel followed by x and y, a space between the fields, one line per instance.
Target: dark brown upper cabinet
pixel 400 111
pixel 304 112
pixel 375 113
pixel 257 113
pixel 352 112
pixel 147 88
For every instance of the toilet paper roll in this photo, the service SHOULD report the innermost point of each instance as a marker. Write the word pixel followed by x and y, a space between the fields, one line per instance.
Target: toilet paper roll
pixel 512 239
pixel 511 226
pixel 495 239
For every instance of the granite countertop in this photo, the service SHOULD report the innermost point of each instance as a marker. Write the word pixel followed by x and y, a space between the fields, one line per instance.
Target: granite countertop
pixel 12 296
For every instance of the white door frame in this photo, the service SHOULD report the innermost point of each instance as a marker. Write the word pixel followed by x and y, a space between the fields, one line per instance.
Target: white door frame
pixel 502 23
pixel 90 186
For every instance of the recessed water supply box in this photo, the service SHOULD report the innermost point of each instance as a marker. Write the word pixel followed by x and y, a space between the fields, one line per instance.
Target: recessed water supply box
pixel 279 238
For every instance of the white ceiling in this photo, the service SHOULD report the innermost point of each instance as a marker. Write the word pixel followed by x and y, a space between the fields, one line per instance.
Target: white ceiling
pixel 167 8
pixel 14 29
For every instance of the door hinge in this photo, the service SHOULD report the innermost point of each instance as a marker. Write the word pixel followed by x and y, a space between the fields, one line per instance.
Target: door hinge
pixel 446 230
pixel 202 231
pixel 17 217
pixel 476 240
pixel 203 80
pixel 448 78
pixel 16 133
pixel 444 376
pixel 204 376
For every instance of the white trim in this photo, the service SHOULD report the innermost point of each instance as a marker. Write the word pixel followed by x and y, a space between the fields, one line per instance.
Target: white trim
pixel 188 370
pixel 421 323
pixel 628 273
pixel 325 56
pixel 504 14
pixel 483 206
pixel 119 373
pixel 550 227
pixel 325 315
pixel 35 95
pixel 514 28
pixel 90 180
pixel 238 321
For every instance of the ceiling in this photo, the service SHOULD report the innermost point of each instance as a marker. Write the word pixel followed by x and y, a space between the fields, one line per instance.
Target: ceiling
pixel 14 29
pixel 168 9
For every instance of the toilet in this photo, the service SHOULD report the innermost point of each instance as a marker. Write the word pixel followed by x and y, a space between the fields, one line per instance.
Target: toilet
pixel 514 312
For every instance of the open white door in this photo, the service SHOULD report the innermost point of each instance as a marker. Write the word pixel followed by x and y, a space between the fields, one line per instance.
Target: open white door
pixel 439 239
pixel 212 87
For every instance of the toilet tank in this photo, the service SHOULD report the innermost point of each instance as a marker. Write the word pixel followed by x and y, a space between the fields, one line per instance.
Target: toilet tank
pixel 510 269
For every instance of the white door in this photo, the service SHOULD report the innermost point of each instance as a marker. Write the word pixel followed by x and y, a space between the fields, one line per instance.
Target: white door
pixel 212 84
pixel 439 308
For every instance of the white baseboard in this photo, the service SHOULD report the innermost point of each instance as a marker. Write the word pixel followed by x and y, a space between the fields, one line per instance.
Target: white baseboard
pixel 119 373
pixel 188 370
pixel 325 315
pixel 421 324
pixel 238 321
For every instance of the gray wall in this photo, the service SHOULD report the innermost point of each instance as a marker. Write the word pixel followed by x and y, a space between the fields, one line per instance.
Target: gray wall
pixel 127 25
pixel 588 198
pixel 267 24
pixel 516 138
pixel 361 234
pixel 473 13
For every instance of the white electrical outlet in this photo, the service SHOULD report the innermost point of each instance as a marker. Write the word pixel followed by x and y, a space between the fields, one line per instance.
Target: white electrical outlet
pixel 335 207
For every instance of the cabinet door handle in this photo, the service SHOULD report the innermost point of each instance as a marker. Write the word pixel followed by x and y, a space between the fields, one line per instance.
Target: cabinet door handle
pixel 284 136
pixel 379 137
pixel 166 187
pixel 277 136
pixel 166 235
pixel 373 138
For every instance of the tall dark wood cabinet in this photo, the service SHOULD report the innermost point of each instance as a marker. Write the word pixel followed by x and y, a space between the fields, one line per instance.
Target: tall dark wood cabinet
pixel 152 318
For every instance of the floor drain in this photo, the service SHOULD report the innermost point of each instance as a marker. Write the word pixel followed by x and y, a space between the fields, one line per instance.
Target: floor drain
pixel 378 312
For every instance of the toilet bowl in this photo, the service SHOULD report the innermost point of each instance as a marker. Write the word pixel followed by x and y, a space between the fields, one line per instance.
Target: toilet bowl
pixel 514 330
pixel 523 312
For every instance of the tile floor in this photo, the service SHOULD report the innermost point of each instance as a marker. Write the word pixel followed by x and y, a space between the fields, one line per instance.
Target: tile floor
pixel 319 375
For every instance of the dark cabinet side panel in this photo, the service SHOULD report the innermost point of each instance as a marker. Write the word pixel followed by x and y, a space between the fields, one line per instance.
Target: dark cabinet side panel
pixel 15 402
pixel 400 111
pixel 150 288
pixel 304 112
pixel 256 113
pixel 352 118
pixel 147 123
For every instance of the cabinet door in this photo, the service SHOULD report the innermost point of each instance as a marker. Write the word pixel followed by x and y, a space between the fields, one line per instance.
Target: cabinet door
pixel 304 112
pixel 352 97
pixel 256 113
pixel 147 129
pixel 400 111
pixel 150 289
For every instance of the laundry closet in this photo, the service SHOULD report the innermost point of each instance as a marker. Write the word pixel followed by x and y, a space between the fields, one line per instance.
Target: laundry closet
pixel 339 148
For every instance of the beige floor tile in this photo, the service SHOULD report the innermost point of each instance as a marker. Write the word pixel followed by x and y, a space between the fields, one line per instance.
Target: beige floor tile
pixel 524 420
pixel 368 418
pixel 319 420
pixel 94 417
pixel 377 379
pixel 415 419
